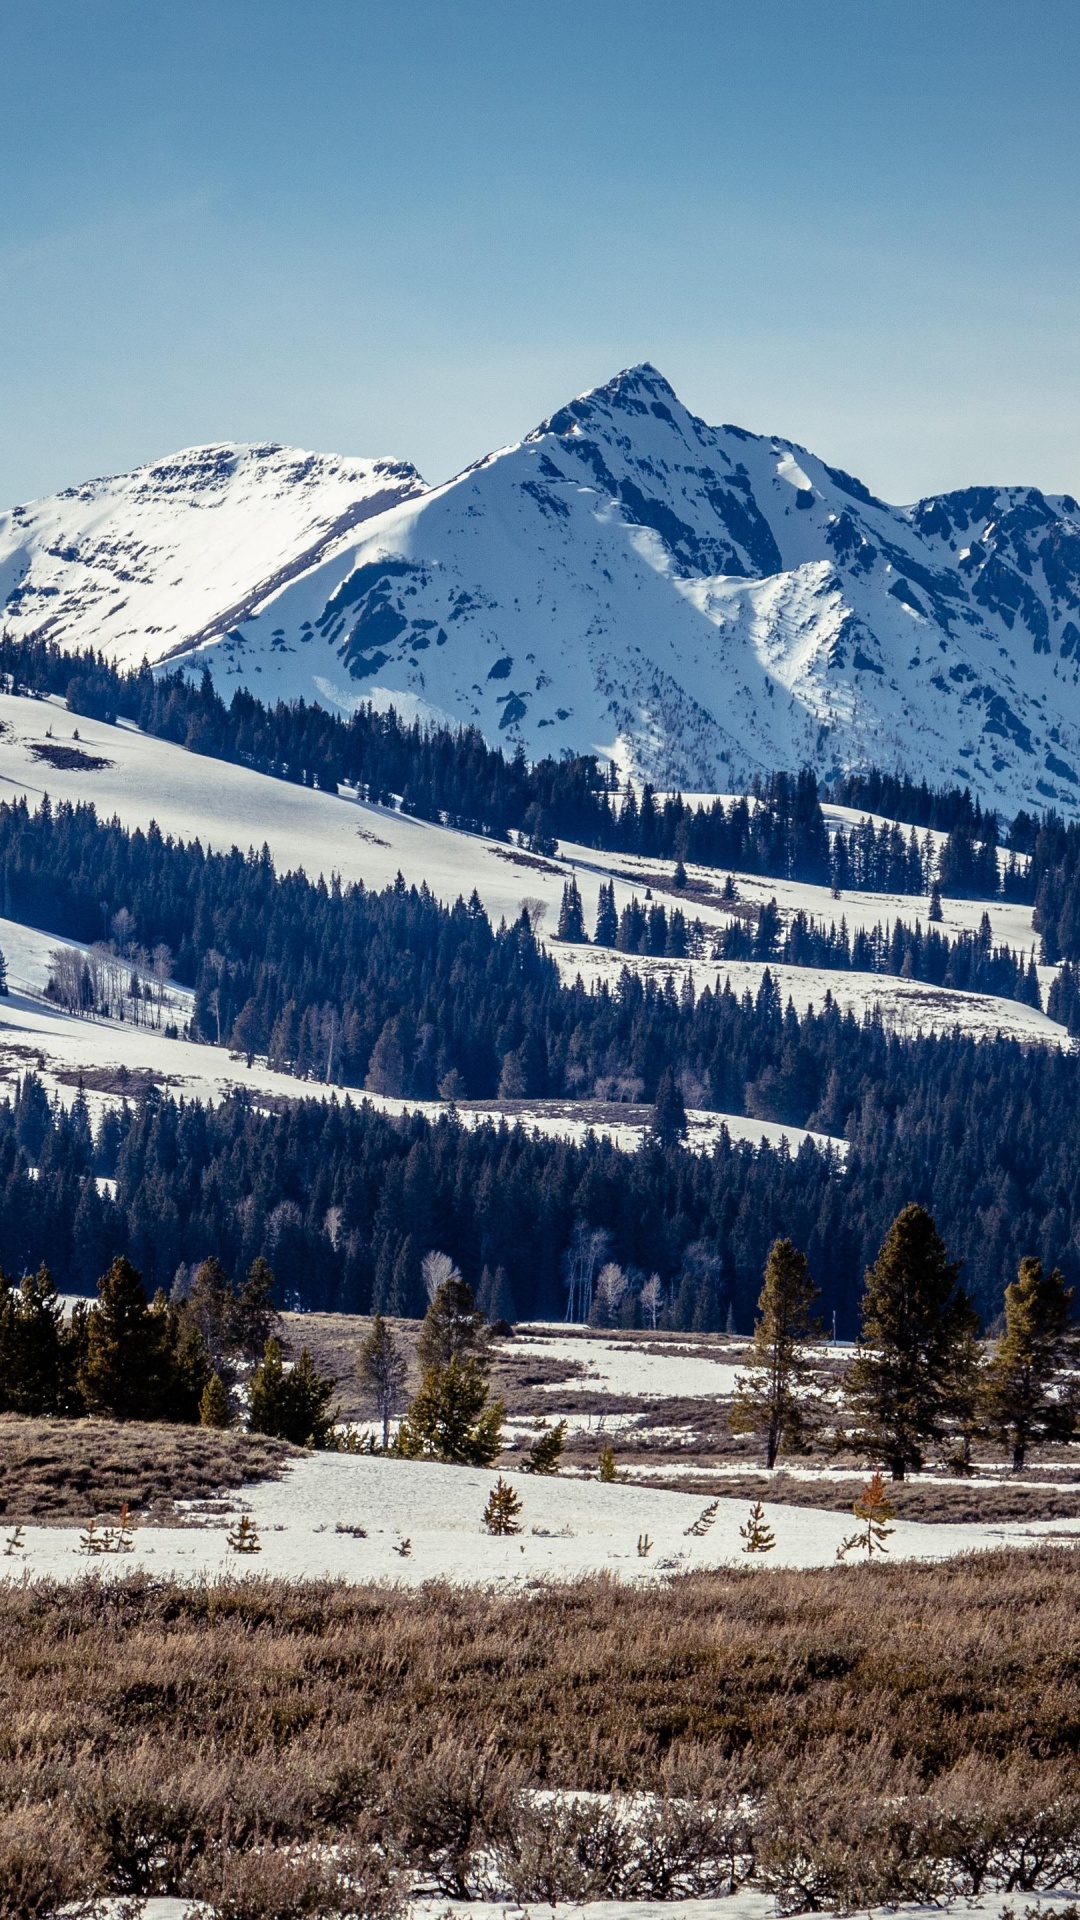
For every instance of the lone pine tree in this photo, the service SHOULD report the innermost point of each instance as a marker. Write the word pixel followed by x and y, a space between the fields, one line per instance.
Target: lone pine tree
pixel 773 1396
pixel 914 1317
pixel 214 1408
pixel 503 1508
pixel 546 1450
pixel 382 1368
pixel 1029 1397
pixel 454 1328
pixel 451 1418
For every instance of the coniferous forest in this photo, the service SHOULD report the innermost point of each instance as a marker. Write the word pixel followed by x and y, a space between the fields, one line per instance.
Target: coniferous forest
pixel 397 994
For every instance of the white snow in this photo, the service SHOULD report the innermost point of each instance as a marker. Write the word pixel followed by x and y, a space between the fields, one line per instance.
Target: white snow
pixel 905 1006
pixel 570 1528
pixel 628 1368
pixel 141 563
pixel 626 579
pixel 192 797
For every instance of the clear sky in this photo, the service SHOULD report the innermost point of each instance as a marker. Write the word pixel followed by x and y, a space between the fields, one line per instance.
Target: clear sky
pixel 415 227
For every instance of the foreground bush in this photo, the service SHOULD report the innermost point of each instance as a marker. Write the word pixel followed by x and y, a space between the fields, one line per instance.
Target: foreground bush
pixel 841 1738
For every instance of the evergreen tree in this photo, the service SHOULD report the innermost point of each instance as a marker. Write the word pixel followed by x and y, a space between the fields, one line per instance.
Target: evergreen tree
pixel 606 1469
pixel 607 919
pixel 184 1364
pixel 757 1536
pixel 913 1316
pixel 36 1377
pixel 121 1374
pixel 502 1510
pixel 771 1396
pixel 1030 1394
pixel 669 1124
pixel 453 1328
pixel 255 1319
pixel 383 1369
pixel 307 1396
pixel 292 1404
pixel 210 1303
pixel 546 1450
pixel 214 1409
pixel 266 1394
pixel 873 1509
pixel 571 914
pixel 451 1418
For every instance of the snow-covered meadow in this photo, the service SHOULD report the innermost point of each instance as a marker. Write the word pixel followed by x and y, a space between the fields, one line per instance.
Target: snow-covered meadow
pixel 360 1518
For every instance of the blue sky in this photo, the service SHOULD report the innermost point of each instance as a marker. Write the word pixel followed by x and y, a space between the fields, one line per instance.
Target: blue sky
pixel 417 226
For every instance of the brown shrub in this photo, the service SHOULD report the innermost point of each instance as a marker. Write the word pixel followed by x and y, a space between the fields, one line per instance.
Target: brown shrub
pixel 850 1735
pixel 44 1861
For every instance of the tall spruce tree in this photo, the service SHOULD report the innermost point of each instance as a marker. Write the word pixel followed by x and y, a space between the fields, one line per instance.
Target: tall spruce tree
pixel 607 919
pixel 668 1125
pixel 38 1374
pixel 1030 1395
pixel 914 1316
pixel 774 1397
pixel 571 914
pixel 121 1374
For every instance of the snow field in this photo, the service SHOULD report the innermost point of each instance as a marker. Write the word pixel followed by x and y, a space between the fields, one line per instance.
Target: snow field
pixel 746 1904
pixel 905 1006
pixel 570 1529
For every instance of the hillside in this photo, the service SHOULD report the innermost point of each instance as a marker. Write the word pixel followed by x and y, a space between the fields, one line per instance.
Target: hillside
pixel 697 602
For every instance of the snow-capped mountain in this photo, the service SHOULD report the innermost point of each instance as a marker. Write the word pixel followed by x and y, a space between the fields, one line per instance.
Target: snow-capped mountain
pixel 178 551
pixel 698 602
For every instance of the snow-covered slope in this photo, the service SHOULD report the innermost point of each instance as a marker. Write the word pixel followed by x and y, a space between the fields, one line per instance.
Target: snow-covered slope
pixel 179 550
pixel 699 602
pixel 702 602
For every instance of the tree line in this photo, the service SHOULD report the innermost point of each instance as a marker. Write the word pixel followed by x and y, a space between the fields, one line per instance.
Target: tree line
pixel 921 1381
pixel 449 774
pixel 344 1201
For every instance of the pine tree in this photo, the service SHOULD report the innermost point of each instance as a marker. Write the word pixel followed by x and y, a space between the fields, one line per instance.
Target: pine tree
pixel 266 1394
pixel 546 1450
pixel 451 1418
pixel 214 1410
pixel 1029 1397
pixel 255 1319
pixel 913 1317
pixel 607 1470
pixel 572 914
pixel 771 1396
pixel 383 1369
pixel 607 919
pixel 935 913
pixel 757 1536
pixel 503 1508
pixel 668 1125
pixel 454 1327
pixel 874 1509
pixel 35 1382
pixel 307 1393
pixel 121 1373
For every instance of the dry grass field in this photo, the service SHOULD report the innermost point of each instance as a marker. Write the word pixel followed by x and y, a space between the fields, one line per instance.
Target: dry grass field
pixel 70 1469
pixel 839 1738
